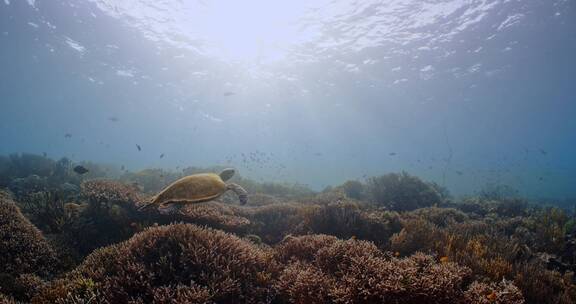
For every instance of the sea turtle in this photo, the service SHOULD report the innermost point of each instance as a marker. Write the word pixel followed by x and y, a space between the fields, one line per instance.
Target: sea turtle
pixel 197 188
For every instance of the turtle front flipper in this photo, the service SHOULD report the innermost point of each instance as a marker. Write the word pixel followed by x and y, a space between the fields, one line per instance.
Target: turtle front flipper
pixel 242 194
pixel 170 208
pixel 147 204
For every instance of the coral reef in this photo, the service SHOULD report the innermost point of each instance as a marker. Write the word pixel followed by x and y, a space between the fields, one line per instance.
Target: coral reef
pixel 25 253
pixel 215 215
pixel 401 192
pixel 324 269
pixel 6 300
pixel 503 292
pixel 182 263
pixel 24 249
pixel 353 189
pixel 346 219
pixel 273 222
pixel 392 239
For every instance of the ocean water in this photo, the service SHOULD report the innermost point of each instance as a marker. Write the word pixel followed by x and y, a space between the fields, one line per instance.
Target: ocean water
pixel 462 93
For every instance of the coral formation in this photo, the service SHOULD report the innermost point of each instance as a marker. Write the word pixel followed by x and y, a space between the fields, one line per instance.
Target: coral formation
pixel 392 239
pixel 215 215
pixel 25 253
pixel 401 192
pixel 24 249
pixel 353 189
pixel 346 219
pixel 182 262
pixel 324 269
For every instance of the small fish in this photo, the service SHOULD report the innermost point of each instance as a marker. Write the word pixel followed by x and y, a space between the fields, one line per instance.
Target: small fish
pixel 541 178
pixel 44 154
pixel 113 119
pixel 122 168
pixel 492 296
pixel 139 148
pixel 543 151
pixel 80 169
pixel 318 154
pixel 392 153
pixel 229 93
pixel 162 155
pixel 459 172
pixel 67 135
pixel 396 254
pixel 444 260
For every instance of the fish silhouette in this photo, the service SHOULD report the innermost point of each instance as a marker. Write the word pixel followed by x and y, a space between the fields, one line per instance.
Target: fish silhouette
pixel 80 169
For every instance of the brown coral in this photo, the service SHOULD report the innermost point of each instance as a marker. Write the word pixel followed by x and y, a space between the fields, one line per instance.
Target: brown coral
pixel 6 299
pixel 214 215
pixel 302 248
pixel 417 235
pixel 347 219
pixel 301 283
pixel 402 192
pixel 109 192
pixel 494 293
pixel 355 271
pixel 24 252
pixel 180 260
pixel 544 286
pixel 23 248
pixel 273 222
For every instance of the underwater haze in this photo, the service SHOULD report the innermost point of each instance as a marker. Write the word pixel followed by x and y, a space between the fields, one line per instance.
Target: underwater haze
pixel 461 93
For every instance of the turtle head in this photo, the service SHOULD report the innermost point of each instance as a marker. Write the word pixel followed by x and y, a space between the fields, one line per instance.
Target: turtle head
pixel 227 174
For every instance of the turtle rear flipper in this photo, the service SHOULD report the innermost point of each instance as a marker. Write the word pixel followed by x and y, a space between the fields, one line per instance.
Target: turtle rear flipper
pixel 242 194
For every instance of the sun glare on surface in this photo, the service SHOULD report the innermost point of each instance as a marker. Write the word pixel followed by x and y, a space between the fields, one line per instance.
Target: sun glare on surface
pixel 253 31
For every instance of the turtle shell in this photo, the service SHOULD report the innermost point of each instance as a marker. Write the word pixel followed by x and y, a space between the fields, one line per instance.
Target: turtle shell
pixel 192 189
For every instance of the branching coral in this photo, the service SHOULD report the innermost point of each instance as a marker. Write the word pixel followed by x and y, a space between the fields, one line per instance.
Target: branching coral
pixel 183 260
pixel 549 227
pixel 494 293
pixel 260 199
pixel 544 286
pixel 302 248
pixel 353 189
pixel 108 217
pixel 273 222
pixel 46 210
pixel 401 192
pixel 22 287
pixel 214 215
pixel 347 219
pixel 417 235
pixel 109 192
pixel 24 252
pixel 355 271
pixel 441 217
pixel 301 283
pixel 23 248
pixel 6 300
